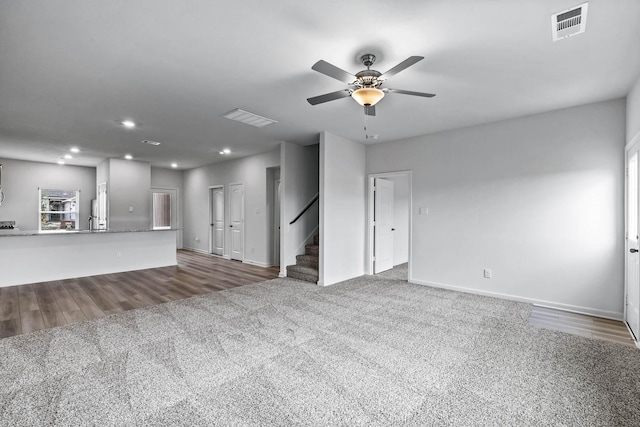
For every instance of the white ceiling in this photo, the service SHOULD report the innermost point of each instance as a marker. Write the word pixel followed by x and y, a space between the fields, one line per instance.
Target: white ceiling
pixel 70 70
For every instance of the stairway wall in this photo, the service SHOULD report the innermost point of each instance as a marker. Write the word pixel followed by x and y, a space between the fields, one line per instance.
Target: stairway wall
pixel 342 209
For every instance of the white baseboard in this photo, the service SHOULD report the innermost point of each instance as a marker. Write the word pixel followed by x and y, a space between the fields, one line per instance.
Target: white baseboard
pixel 259 264
pixel 606 314
pixel 200 251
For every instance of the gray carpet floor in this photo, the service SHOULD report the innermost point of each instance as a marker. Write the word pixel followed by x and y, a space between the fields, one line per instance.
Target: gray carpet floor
pixel 370 351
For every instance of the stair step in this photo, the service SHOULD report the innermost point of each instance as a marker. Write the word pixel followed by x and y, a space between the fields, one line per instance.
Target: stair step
pixel 312 250
pixel 316 240
pixel 302 273
pixel 307 261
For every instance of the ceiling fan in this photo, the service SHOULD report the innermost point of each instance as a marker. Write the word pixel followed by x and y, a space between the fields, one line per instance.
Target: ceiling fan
pixel 364 86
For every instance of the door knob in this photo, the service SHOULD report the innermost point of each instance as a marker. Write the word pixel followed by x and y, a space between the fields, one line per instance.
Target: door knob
pixel 633 251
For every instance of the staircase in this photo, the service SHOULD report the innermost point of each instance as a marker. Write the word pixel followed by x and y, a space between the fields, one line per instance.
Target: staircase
pixel 306 267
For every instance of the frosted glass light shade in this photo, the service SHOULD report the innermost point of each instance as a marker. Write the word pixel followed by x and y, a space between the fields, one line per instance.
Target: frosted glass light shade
pixel 367 96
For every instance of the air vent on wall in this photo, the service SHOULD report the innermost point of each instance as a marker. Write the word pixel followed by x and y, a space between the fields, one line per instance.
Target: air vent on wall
pixel 569 22
pixel 248 118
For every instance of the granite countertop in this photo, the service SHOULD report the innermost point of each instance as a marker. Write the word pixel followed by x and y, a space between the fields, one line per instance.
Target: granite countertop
pixel 13 233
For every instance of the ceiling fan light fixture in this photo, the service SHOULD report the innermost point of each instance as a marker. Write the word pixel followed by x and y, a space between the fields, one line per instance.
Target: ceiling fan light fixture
pixel 367 96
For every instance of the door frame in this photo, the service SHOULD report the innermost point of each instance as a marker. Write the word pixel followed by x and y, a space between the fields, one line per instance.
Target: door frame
pixel 224 214
pixel 277 220
pixel 635 140
pixel 228 212
pixel 370 215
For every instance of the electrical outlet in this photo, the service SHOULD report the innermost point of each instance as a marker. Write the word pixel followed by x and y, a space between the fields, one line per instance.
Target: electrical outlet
pixel 118 254
pixel 487 273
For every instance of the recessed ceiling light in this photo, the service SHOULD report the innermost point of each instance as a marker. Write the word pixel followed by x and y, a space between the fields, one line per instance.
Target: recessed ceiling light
pixel 128 156
pixel 60 162
pixel 128 124
pixel 226 151
pixel 174 165
pixel 74 150
pixel 68 156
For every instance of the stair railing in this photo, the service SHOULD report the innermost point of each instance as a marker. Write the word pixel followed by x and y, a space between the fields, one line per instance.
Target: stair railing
pixel 306 207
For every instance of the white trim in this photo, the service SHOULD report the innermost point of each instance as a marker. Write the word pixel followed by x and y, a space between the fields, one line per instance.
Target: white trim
pixel 258 263
pixel 200 251
pixel 369 243
pixel 606 314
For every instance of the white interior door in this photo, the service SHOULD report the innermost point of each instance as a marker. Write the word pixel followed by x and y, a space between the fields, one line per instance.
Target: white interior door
pixel 236 217
pixel 383 225
pixel 632 261
pixel 217 221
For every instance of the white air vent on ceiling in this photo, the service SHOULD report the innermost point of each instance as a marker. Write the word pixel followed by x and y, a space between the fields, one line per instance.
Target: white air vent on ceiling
pixel 569 22
pixel 146 141
pixel 248 118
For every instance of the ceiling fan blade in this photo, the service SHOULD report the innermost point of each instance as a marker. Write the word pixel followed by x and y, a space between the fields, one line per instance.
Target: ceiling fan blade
pixel 332 71
pixel 344 93
pixel 401 66
pixel 370 110
pixel 409 92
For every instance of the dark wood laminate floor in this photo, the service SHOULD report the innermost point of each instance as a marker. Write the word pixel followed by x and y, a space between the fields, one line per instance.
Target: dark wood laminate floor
pixel 28 308
pixel 581 324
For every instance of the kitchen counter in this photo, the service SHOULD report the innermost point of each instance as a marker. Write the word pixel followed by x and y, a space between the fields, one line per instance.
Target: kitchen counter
pixel 32 256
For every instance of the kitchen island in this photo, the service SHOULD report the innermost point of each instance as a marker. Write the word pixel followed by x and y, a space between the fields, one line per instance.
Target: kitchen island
pixel 33 256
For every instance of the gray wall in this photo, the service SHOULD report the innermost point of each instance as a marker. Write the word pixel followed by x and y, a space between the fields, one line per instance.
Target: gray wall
pixel 129 184
pixel 342 209
pixel 20 183
pixel 633 111
pixel 537 199
pixel 252 172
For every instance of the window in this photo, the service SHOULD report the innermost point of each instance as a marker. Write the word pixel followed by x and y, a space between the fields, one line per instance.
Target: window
pixel 161 206
pixel 58 210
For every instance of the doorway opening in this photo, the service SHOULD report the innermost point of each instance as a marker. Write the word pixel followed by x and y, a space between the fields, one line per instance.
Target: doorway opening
pixel 164 211
pixel 389 224
pixel 216 217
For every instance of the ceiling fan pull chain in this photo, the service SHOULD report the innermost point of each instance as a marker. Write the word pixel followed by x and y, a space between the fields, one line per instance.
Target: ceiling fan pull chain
pixel 366 134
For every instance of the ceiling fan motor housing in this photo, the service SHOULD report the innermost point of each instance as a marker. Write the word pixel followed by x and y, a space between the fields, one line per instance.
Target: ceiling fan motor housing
pixel 368 78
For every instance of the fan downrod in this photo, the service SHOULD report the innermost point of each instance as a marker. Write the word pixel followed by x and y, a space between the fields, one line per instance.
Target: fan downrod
pixel 368 59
